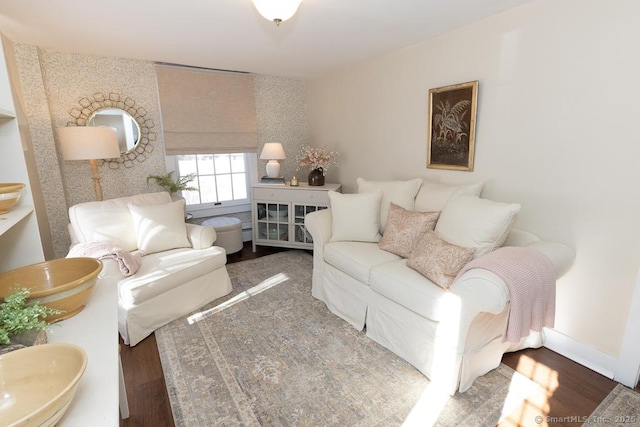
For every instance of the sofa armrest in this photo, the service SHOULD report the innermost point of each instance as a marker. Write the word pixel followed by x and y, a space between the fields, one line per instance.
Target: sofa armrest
pixel 562 256
pixel 200 236
pixel 319 225
pixel 481 291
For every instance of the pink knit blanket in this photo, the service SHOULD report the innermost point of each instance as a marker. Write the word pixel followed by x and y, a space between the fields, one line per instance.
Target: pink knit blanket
pixel 531 279
pixel 127 263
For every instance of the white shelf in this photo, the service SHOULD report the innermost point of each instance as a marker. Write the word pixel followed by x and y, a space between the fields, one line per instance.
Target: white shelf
pixel 7 114
pixel 13 217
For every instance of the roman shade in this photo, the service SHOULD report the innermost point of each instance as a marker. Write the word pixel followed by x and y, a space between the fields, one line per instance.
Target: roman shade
pixel 206 112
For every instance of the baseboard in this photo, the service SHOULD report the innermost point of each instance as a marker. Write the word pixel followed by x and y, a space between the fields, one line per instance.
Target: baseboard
pixel 589 357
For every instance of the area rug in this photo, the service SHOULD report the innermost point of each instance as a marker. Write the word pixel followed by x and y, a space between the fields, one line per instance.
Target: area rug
pixel 620 407
pixel 272 355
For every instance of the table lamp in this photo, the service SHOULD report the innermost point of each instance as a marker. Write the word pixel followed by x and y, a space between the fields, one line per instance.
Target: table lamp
pixel 89 143
pixel 273 152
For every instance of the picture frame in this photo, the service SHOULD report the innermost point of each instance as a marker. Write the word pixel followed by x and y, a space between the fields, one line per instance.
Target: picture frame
pixel 451 127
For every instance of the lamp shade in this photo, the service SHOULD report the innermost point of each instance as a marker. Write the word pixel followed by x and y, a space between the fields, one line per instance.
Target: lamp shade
pixel 88 143
pixel 277 10
pixel 272 151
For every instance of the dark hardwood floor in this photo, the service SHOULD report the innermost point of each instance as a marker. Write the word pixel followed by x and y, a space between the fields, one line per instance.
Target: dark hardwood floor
pixel 569 390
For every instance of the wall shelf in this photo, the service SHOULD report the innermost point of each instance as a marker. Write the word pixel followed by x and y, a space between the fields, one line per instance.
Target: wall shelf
pixel 6 114
pixel 20 242
pixel 11 218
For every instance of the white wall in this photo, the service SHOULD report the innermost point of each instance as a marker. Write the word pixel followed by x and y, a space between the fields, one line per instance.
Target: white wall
pixel 556 131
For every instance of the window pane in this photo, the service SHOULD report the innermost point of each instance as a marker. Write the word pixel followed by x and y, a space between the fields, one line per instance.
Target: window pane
pixel 239 186
pixel 191 197
pixel 223 164
pixel 214 177
pixel 225 191
pixel 208 192
pixel 237 163
pixel 205 164
pixel 187 165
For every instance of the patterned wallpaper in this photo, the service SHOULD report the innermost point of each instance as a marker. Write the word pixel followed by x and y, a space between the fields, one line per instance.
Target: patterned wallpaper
pixel 54 83
pixel 282 117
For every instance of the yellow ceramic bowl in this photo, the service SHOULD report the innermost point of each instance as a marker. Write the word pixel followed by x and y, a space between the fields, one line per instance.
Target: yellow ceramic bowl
pixel 39 383
pixel 9 196
pixel 64 284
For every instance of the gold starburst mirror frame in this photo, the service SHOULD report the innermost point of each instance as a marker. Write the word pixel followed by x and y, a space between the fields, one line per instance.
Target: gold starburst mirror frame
pixel 136 150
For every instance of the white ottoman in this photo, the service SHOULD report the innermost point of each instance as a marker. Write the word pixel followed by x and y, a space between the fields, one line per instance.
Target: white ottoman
pixel 229 231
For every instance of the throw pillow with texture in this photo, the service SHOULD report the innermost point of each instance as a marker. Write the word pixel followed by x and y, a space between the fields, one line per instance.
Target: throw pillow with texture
pixel 433 196
pixel 160 227
pixel 405 229
pixel 439 260
pixel 472 222
pixel 356 217
pixel 402 193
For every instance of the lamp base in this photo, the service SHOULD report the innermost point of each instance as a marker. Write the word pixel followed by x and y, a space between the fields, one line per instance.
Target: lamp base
pixel 273 169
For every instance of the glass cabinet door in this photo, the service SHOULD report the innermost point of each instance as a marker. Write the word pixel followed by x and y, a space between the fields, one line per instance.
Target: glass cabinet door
pixel 273 221
pixel 301 235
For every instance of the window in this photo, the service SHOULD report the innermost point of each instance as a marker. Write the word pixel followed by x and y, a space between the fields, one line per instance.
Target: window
pixel 220 178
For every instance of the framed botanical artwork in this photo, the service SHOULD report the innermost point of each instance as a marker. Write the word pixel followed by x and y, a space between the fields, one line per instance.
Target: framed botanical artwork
pixel 452 126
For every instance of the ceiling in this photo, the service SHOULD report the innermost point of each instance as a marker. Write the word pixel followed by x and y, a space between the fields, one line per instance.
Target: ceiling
pixel 323 36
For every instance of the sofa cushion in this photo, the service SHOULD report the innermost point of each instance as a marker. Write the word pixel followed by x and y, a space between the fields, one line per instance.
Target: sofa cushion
pixel 160 272
pixel 355 217
pixel 405 229
pixel 433 196
pixel 472 222
pixel 160 227
pixel 439 260
pixel 110 220
pixel 356 258
pixel 407 287
pixel 402 193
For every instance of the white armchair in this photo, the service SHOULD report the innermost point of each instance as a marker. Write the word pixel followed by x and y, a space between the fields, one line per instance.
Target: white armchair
pixel 179 268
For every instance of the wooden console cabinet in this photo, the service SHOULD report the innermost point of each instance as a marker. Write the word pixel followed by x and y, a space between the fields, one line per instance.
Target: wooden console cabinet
pixel 278 213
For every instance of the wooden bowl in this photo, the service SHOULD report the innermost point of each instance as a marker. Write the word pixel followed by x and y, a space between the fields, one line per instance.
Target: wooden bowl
pixel 9 196
pixel 64 284
pixel 39 383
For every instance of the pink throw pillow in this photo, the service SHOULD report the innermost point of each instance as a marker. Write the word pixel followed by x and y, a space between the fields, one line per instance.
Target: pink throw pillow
pixel 439 260
pixel 405 228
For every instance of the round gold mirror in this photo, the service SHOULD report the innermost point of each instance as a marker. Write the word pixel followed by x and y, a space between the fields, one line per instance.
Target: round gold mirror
pixel 127 128
pixel 136 141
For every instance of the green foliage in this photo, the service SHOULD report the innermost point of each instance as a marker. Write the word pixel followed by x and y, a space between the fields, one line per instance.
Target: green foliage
pixel 16 317
pixel 167 182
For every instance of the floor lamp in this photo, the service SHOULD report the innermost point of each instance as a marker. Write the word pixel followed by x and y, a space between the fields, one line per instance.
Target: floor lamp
pixel 89 143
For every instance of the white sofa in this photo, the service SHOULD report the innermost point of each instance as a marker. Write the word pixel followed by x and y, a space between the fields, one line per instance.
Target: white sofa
pixel 179 268
pixel 451 335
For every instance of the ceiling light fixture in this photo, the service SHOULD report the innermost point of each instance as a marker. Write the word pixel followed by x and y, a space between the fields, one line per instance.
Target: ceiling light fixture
pixel 277 10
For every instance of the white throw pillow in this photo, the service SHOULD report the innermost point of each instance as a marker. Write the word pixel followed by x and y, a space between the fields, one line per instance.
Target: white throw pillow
pixel 160 227
pixel 356 217
pixel 433 196
pixel 402 193
pixel 472 222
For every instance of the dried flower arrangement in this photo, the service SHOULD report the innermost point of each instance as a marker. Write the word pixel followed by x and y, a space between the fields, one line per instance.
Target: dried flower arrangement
pixel 317 158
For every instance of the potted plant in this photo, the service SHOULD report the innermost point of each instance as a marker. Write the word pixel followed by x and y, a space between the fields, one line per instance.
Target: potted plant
pixel 172 185
pixel 21 323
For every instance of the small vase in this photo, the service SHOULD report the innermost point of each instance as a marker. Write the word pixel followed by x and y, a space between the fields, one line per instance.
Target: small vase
pixel 316 178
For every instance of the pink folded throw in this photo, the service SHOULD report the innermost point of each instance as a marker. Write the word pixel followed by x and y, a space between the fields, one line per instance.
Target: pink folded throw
pixel 128 263
pixel 531 279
